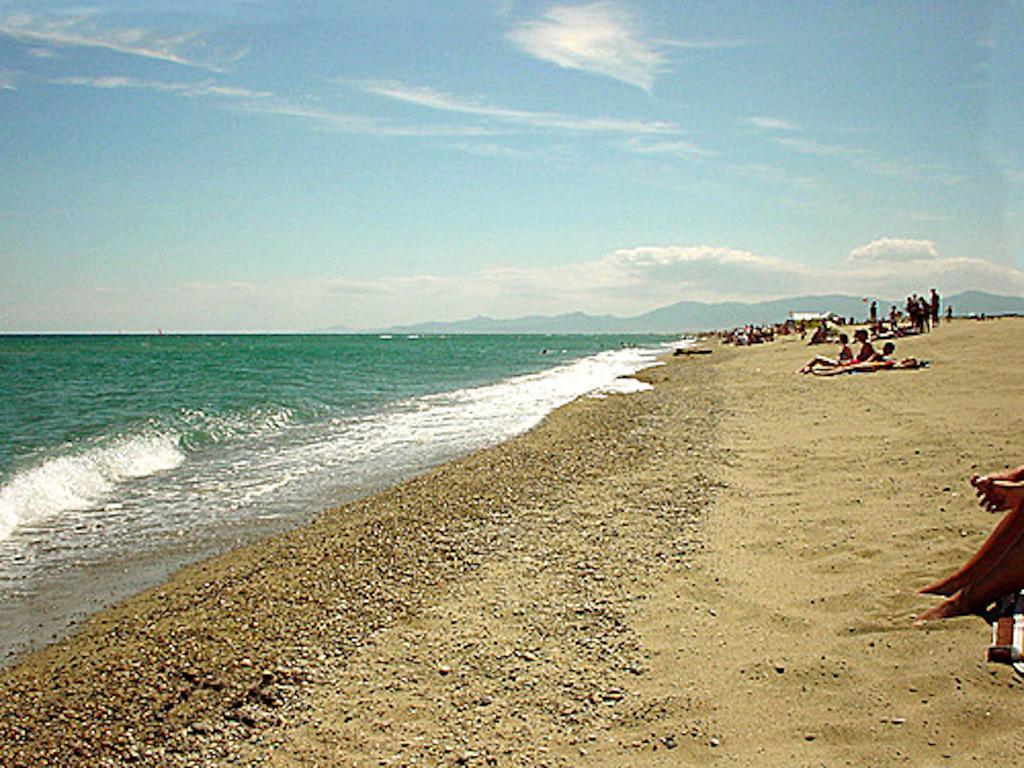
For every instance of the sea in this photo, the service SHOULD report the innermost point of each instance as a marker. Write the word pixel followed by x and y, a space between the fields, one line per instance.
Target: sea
pixel 124 457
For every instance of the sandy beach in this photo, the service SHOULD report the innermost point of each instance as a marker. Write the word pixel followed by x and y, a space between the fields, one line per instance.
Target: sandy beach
pixel 719 570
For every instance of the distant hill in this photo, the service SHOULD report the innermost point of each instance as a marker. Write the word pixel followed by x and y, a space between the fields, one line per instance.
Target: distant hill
pixel 689 316
pixel 979 302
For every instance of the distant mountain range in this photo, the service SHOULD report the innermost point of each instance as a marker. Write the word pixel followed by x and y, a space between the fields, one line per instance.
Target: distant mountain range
pixel 698 316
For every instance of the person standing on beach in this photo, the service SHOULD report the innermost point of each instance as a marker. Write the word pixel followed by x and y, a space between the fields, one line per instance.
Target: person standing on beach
pixel 934 305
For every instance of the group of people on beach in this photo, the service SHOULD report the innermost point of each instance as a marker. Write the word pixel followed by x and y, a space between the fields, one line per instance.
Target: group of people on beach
pixel 866 360
pixel 750 334
pixel 747 335
pixel 921 312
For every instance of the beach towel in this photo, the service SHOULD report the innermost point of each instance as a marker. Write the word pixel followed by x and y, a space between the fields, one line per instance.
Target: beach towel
pixel 1008 632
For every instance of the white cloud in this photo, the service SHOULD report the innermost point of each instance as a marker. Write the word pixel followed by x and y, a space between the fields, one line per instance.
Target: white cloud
pixel 344 122
pixel 895 267
pixel 626 282
pixel 492 150
pixel 809 147
pixel 706 272
pixel 265 102
pixel 84 29
pixel 773 124
pixel 601 38
pixel 431 99
pixel 685 150
pixel 8 80
pixel 708 45
pixel 111 82
pixel 891 249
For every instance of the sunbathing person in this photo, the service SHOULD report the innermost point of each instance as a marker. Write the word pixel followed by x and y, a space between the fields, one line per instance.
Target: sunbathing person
pixel 997 568
pixel 879 361
pixel 866 351
pixel 845 356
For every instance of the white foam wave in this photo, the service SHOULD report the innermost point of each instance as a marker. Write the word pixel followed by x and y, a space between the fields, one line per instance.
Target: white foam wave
pixel 200 426
pixel 428 429
pixel 265 461
pixel 82 480
pixel 624 385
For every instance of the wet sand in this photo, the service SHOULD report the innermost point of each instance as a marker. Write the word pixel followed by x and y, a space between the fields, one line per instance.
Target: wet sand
pixel 721 569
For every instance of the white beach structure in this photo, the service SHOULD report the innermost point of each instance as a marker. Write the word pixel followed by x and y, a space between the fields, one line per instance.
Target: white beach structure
pixel 810 317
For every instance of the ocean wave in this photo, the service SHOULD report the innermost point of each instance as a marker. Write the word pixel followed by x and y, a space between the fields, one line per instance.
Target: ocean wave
pixel 200 429
pixel 417 432
pixel 273 459
pixel 83 479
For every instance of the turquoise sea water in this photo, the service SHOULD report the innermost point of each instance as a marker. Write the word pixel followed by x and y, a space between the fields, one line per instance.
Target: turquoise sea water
pixel 118 447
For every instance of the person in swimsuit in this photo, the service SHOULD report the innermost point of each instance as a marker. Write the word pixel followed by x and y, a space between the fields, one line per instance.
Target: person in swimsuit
pixel 879 361
pixel 845 357
pixel 866 351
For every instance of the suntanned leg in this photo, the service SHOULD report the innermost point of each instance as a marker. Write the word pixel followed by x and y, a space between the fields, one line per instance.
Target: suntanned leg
pixel 819 360
pixel 995 492
pixel 999 541
pixel 1006 576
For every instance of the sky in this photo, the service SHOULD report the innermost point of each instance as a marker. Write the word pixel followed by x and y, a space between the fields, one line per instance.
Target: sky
pixel 272 166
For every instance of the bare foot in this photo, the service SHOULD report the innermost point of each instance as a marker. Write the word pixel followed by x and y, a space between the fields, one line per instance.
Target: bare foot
pixel 947 609
pixel 1000 490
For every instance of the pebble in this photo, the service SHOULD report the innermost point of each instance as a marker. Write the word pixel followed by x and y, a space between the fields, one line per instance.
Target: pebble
pixel 201 727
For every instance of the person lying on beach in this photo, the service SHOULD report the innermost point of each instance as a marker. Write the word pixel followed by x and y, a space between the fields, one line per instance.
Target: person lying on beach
pixel 879 361
pixel 866 351
pixel 906 364
pixel 997 568
pixel 845 356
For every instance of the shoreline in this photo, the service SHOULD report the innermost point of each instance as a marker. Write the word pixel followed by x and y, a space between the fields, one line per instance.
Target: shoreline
pixel 153 674
pixel 47 603
pixel 637 580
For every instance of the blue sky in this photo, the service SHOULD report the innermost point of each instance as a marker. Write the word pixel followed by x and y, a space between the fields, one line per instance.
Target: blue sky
pixel 295 166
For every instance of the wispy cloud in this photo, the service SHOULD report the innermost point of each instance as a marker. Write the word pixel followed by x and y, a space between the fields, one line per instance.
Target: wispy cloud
pixel 345 122
pixel 8 80
pixel 869 161
pixel 601 38
pixel 436 100
pixel 268 103
pixel 491 149
pixel 773 124
pixel 86 29
pixel 713 44
pixel 808 147
pixel 207 88
pixel 685 150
